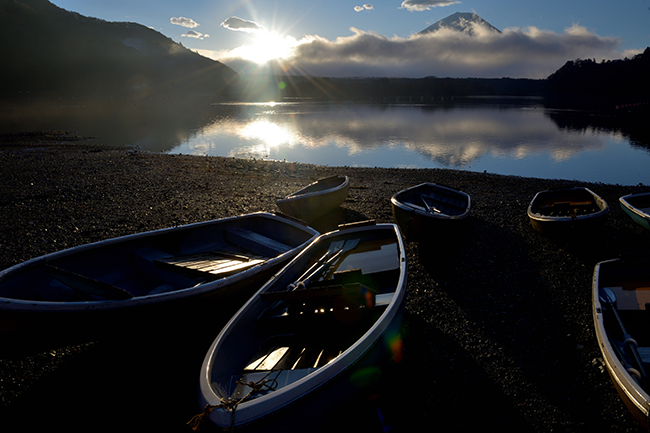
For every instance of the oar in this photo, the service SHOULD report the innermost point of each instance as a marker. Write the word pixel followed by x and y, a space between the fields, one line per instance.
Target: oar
pixel 349 245
pixel 626 365
pixel 608 297
pixel 333 248
pixel 431 209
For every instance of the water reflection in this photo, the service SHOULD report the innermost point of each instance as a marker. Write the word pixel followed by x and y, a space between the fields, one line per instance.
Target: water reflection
pixel 524 140
pixel 519 139
pixel 158 125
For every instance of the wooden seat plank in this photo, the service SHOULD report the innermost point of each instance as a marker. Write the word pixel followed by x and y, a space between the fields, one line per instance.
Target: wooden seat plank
pixel 255 242
pixel 215 263
pixel 233 267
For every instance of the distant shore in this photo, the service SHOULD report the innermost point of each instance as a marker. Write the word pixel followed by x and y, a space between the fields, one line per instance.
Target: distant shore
pixel 497 332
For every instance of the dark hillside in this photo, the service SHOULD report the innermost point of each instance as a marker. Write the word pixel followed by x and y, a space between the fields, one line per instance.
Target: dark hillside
pixel 46 49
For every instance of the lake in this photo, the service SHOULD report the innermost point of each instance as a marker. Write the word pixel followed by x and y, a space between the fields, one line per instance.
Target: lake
pixel 512 137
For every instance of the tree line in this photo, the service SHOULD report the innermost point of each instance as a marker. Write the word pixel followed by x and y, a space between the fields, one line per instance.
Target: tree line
pixel 611 82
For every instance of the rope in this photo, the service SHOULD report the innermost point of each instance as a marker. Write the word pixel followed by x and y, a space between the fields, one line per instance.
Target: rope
pixel 231 404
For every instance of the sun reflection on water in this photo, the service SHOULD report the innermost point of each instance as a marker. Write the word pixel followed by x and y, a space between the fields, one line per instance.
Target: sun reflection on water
pixel 269 133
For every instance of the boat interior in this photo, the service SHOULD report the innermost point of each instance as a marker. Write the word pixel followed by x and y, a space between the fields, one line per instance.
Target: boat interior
pixel 435 201
pixel 641 202
pixel 631 291
pixel 153 264
pixel 565 203
pixel 300 329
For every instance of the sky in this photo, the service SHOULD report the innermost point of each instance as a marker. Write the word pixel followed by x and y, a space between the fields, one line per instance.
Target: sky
pixel 348 38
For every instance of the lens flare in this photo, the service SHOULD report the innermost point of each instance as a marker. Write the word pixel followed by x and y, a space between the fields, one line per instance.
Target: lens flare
pixel 395 345
pixel 364 377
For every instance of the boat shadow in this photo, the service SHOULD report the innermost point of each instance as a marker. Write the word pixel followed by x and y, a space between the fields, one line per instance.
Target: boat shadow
pixel 493 300
pixel 443 246
pixel 611 240
pixel 147 379
pixel 331 220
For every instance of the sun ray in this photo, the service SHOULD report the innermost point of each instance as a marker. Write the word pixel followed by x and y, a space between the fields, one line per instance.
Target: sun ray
pixel 266 46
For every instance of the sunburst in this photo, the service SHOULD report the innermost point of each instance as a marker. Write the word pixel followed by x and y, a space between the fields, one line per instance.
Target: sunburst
pixel 267 46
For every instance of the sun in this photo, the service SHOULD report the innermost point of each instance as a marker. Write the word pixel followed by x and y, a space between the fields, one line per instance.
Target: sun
pixel 267 46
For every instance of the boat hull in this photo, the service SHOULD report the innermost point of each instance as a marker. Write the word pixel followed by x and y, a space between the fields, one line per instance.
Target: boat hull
pixel 349 341
pixel 637 207
pixel 567 211
pixel 316 199
pixel 46 300
pixel 418 222
pixel 630 281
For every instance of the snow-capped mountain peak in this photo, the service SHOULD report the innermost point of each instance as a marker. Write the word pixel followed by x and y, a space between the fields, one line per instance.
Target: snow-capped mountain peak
pixel 462 22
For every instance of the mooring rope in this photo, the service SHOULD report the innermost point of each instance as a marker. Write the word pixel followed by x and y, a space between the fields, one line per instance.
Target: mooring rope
pixel 231 404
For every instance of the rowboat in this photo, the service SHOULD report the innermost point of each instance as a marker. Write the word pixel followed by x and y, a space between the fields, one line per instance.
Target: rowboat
pixel 305 333
pixel 621 297
pixel 316 199
pixel 637 206
pixel 104 283
pixel 429 209
pixel 566 210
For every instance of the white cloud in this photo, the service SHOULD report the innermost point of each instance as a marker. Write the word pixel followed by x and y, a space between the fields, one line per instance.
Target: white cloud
pixel 195 35
pixel 242 25
pixel 365 7
pixel 185 22
pixel 529 53
pixel 425 5
pixel 515 53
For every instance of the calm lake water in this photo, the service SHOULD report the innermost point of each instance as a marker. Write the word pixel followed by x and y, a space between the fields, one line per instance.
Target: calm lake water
pixel 516 138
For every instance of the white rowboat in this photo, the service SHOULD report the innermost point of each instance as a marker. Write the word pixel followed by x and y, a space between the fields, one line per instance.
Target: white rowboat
pixel 307 328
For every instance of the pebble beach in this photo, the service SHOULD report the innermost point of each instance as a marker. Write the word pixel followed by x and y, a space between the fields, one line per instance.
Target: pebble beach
pixel 497 333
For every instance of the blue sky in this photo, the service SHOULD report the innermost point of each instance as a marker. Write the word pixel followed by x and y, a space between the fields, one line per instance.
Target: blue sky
pixel 349 38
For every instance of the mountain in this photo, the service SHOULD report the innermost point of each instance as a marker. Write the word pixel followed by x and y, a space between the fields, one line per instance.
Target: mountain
pixel 461 21
pixel 48 50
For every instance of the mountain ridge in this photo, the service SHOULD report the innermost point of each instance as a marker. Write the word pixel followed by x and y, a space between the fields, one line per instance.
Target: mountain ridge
pixel 73 53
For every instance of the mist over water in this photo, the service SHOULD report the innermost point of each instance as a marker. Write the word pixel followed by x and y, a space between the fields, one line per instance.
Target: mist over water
pixel 518 138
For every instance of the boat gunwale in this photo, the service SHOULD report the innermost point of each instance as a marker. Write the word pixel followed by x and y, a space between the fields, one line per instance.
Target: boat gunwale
pixel 624 201
pixel 321 376
pixel 629 391
pixel 36 306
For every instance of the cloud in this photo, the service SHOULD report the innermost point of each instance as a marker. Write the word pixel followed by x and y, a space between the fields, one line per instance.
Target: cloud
pixel 195 35
pixel 425 5
pixel 185 22
pixel 515 53
pixel 367 7
pixel 530 53
pixel 239 24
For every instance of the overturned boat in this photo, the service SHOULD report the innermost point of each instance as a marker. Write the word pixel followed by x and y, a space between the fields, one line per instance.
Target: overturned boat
pixel 316 199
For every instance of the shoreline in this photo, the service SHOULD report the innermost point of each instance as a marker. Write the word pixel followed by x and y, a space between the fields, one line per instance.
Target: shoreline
pixel 498 323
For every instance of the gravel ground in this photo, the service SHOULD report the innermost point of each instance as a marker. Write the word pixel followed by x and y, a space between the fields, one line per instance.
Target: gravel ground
pixel 497 333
